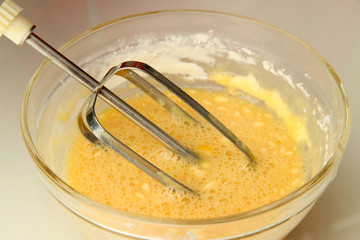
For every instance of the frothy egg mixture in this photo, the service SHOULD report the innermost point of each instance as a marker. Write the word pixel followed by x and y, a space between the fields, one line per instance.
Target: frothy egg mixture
pixel 223 178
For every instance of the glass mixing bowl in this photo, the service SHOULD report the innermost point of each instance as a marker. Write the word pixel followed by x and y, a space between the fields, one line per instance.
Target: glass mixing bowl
pixel 191 44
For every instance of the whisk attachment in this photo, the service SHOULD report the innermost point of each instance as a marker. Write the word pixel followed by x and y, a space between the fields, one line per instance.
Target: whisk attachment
pixel 91 127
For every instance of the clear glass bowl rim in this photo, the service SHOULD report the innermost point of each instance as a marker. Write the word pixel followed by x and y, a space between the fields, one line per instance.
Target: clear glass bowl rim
pixel 61 184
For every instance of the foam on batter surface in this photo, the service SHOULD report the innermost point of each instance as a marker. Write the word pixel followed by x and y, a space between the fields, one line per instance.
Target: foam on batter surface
pixel 226 183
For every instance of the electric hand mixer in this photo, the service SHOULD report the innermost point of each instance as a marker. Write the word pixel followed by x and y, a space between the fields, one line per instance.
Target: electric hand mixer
pixel 20 30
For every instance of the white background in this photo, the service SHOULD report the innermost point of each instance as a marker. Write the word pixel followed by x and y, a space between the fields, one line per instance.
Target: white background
pixel 332 27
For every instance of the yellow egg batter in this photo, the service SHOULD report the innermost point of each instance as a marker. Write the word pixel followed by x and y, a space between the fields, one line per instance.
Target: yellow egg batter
pixel 223 178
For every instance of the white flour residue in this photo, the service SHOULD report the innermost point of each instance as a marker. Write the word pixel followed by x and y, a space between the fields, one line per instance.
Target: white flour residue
pixel 174 66
pixel 303 90
pixel 173 54
pixel 269 66
pixel 238 57
pixel 324 120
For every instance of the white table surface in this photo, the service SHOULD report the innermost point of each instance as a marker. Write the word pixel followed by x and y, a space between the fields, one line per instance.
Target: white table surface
pixel 332 27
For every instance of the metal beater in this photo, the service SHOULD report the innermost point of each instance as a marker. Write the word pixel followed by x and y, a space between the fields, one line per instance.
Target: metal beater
pixel 20 30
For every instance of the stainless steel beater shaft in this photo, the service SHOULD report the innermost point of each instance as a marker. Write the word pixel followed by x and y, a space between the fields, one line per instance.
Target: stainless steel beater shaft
pixel 89 82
